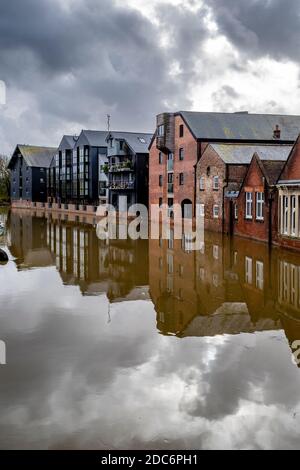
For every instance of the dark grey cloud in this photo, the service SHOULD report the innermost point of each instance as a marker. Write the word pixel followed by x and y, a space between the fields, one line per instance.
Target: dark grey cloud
pixel 260 27
pixel 75 64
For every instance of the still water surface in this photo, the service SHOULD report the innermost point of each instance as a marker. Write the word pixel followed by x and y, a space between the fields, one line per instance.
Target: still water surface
pixel 146 345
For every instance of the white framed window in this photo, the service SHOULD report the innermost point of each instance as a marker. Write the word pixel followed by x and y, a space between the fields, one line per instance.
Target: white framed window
pixel 202 210
pixel 259 275
pixel 216 212
pixel 161 130
pixel 216 183
pixel 260 199
pixel 202 183
pixel 285 211
pixel 248 270
pixel 236 211
pixel 249 202
pixel 293 216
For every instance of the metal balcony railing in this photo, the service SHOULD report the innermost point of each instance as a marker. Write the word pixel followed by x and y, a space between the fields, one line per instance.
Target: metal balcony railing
pixel 121 185
pixel 123 166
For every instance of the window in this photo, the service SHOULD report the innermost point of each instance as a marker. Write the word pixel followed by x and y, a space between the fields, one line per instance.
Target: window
pixel 181 178
pixel 202 183
pixel 170 182
pixel 160 201
pixel 285 207
pixel 202 210
pixel 248 270
pixel 216 212
pixel 121 144
pixel 161 130
pixel 236 211
pixel 42 180
pixel 41 170
pixel 170 162
pixel 216 252
pixel 293 216
pixel 248 205
pixel 170 207
pixel 181 154
pixel 216 183
pixel 259 275
pixel 160 180
pixel 181 130
pixel 259 206
pixel 160 158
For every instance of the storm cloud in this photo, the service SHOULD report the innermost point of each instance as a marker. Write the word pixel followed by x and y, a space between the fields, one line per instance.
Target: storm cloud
pixel 67 64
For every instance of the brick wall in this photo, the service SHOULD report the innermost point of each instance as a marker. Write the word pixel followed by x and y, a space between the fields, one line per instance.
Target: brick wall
pixel 190 148
pixel 253 228
pixel 211 165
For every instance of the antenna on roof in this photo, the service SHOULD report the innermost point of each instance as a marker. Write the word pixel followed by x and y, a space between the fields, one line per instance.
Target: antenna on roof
pixel 108 122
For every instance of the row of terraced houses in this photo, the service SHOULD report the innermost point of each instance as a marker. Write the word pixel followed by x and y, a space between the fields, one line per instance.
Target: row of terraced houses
pixel 239 171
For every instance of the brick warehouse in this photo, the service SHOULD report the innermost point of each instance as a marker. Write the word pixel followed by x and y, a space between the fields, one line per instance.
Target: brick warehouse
pixel 182 137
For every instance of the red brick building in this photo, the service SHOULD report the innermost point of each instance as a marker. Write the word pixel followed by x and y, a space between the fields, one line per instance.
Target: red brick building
pixel 181 139
pixel 219 177
pixel 256 207
pixel 289 200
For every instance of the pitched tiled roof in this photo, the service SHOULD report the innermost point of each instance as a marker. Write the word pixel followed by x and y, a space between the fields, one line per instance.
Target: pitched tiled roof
pixel 67 142
pixel 96 138
pixel 35 156
pixel 272 170
pixel 241 126
pixel 243 153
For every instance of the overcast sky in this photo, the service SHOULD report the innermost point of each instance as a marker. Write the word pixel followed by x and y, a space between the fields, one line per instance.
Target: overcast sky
pixel 68 63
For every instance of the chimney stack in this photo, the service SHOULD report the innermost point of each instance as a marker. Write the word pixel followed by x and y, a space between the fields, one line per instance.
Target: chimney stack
pixel 277 132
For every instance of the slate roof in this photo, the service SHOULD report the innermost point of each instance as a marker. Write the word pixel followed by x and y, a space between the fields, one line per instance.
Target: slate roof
pixel 135 140
pixel 241 126
pixel 95 138
pixel 243 153
pixel 272 170
pixel 35 156
pixel 67 142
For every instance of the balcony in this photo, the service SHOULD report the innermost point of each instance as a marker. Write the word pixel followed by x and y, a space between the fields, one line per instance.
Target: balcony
pixel 121 185
pixel 120 167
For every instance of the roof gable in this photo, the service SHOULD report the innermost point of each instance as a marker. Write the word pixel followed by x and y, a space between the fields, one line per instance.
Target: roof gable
pixel 67 142
pixel 35 156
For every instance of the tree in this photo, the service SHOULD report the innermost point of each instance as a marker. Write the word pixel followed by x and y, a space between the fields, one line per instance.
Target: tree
pixel 4 178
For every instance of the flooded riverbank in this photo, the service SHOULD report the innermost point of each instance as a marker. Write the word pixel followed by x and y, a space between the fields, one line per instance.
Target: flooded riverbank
pixel 145 344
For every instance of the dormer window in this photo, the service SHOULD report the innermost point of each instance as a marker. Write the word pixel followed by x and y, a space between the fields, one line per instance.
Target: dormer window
pixel 121 145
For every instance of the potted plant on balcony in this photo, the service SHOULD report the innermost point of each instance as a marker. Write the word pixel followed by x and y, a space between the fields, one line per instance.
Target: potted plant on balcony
pixel 105 168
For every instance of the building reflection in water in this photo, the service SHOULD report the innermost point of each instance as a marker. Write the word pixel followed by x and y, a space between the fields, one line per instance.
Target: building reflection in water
pixel 229 286
pixel 118 268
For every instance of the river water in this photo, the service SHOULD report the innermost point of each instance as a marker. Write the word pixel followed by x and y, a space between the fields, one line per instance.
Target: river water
pixel 145 344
